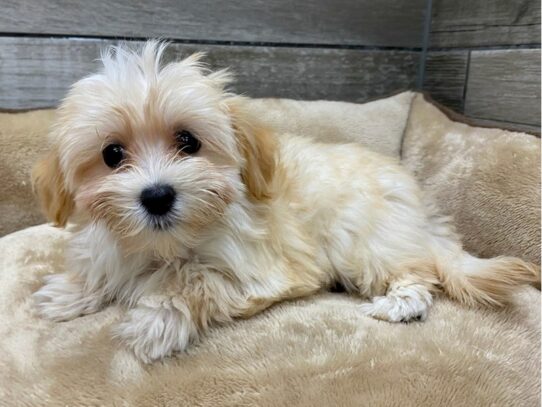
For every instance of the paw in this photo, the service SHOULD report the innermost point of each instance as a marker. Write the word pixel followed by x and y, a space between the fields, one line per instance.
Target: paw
pixel 396 309
pixel 62 299
pixel 154 333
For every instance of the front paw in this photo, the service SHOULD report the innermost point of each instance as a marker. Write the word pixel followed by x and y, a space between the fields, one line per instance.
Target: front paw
pixel 62 298
pixel 154 333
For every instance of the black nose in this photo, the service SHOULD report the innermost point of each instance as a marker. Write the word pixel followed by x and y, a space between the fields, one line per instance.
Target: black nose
pixel 158 199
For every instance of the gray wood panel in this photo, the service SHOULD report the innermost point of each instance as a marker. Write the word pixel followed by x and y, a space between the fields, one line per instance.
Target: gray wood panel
pixel 36 72
pixel 355 22
pixel 445 77
pixel 504 85
pixel 535 130
pixel 473 23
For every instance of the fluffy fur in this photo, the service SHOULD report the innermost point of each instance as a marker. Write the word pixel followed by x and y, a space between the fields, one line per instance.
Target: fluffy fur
pixel 259 218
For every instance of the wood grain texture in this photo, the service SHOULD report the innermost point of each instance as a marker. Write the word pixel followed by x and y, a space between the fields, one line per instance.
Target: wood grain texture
pixel 474 23
pixel 36 72
pixel 445 77
pixel 504 85
pixel 525 128
pixel 354 22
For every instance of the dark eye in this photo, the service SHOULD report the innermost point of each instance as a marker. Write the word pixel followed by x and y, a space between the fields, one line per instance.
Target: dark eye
pixel 113 155
pixel 186 142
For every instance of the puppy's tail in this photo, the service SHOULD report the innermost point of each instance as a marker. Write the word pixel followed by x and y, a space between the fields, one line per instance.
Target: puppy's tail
pixel 469 279
pixel 489 282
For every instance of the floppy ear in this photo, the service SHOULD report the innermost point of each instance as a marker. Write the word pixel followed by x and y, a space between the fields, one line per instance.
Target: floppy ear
pixel 258 146
pixel 49 183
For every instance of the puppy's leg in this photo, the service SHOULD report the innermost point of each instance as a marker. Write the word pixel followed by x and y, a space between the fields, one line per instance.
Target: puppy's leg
pixel 408 298
pixel 97 272
pixel 194 298
pixel 158 326
pixel 63 297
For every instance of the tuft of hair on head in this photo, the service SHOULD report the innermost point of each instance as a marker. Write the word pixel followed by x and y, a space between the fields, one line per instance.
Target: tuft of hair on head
pixel 122 60
pixel 49 184
pixel 148 61
pixel 221 79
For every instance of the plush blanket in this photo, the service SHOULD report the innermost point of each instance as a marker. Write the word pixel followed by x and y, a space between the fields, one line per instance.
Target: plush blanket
pixel 315 351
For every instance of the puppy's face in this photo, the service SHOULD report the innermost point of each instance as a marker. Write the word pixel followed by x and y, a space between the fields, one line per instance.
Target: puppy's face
pixel 156 153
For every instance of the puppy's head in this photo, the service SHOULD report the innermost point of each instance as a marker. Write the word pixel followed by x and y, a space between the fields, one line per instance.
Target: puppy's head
pixel 157 153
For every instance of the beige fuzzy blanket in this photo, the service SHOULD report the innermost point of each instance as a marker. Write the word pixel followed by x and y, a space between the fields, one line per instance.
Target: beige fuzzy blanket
pixel 318 351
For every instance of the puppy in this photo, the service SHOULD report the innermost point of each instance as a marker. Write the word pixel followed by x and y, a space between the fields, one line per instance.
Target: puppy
pixel 185 210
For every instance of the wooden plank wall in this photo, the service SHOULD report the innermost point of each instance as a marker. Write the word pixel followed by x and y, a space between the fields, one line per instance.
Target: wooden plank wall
pixel 351 50
pixel 484 60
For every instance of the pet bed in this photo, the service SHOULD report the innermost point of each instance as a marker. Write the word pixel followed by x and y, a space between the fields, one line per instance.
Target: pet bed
pixel 318 351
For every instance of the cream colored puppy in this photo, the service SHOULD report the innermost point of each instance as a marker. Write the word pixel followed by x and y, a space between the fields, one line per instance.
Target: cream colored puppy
pixel 190 214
